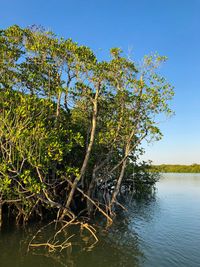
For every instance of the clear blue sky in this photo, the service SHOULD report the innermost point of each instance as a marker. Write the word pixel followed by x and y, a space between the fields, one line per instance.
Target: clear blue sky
pixel 170 27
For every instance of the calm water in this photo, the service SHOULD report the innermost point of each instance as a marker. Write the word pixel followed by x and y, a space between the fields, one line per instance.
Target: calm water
pixel 164 231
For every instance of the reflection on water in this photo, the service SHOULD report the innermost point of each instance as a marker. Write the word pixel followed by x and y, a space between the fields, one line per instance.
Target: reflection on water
pixel 163 231
pixel 172 238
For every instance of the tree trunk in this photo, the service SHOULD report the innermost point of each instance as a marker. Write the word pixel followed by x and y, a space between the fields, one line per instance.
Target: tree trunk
pixel 89 149
pixel 58 104
pixel 119 180
pixel 90 192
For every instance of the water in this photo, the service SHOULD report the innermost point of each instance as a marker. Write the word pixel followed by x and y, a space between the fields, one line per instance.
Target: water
pixel 163 231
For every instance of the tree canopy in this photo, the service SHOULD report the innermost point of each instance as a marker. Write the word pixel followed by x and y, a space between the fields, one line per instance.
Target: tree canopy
pixel 72 125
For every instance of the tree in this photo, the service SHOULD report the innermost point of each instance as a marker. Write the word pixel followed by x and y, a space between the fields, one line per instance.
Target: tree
pixel 73 125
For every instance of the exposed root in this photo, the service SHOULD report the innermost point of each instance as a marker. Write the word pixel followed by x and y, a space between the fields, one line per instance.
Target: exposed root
pixel 52 247
pixel 109 219
pixel 56 243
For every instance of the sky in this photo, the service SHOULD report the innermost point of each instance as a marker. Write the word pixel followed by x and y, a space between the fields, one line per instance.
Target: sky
pixel 169 27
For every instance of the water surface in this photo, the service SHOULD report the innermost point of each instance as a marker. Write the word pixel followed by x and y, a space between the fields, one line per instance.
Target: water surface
pixel 162 231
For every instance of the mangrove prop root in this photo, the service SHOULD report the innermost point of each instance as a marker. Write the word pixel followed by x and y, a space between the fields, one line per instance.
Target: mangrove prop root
pixel 53 244
pixel 93 202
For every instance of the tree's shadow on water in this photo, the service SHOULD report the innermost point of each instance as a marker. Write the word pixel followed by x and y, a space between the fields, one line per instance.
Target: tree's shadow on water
pixel 119 245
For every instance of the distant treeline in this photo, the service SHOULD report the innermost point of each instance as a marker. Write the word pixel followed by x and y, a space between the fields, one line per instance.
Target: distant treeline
pixel 194 168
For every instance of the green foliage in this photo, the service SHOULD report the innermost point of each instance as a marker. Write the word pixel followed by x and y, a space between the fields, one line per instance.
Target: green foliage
pixel 32 141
